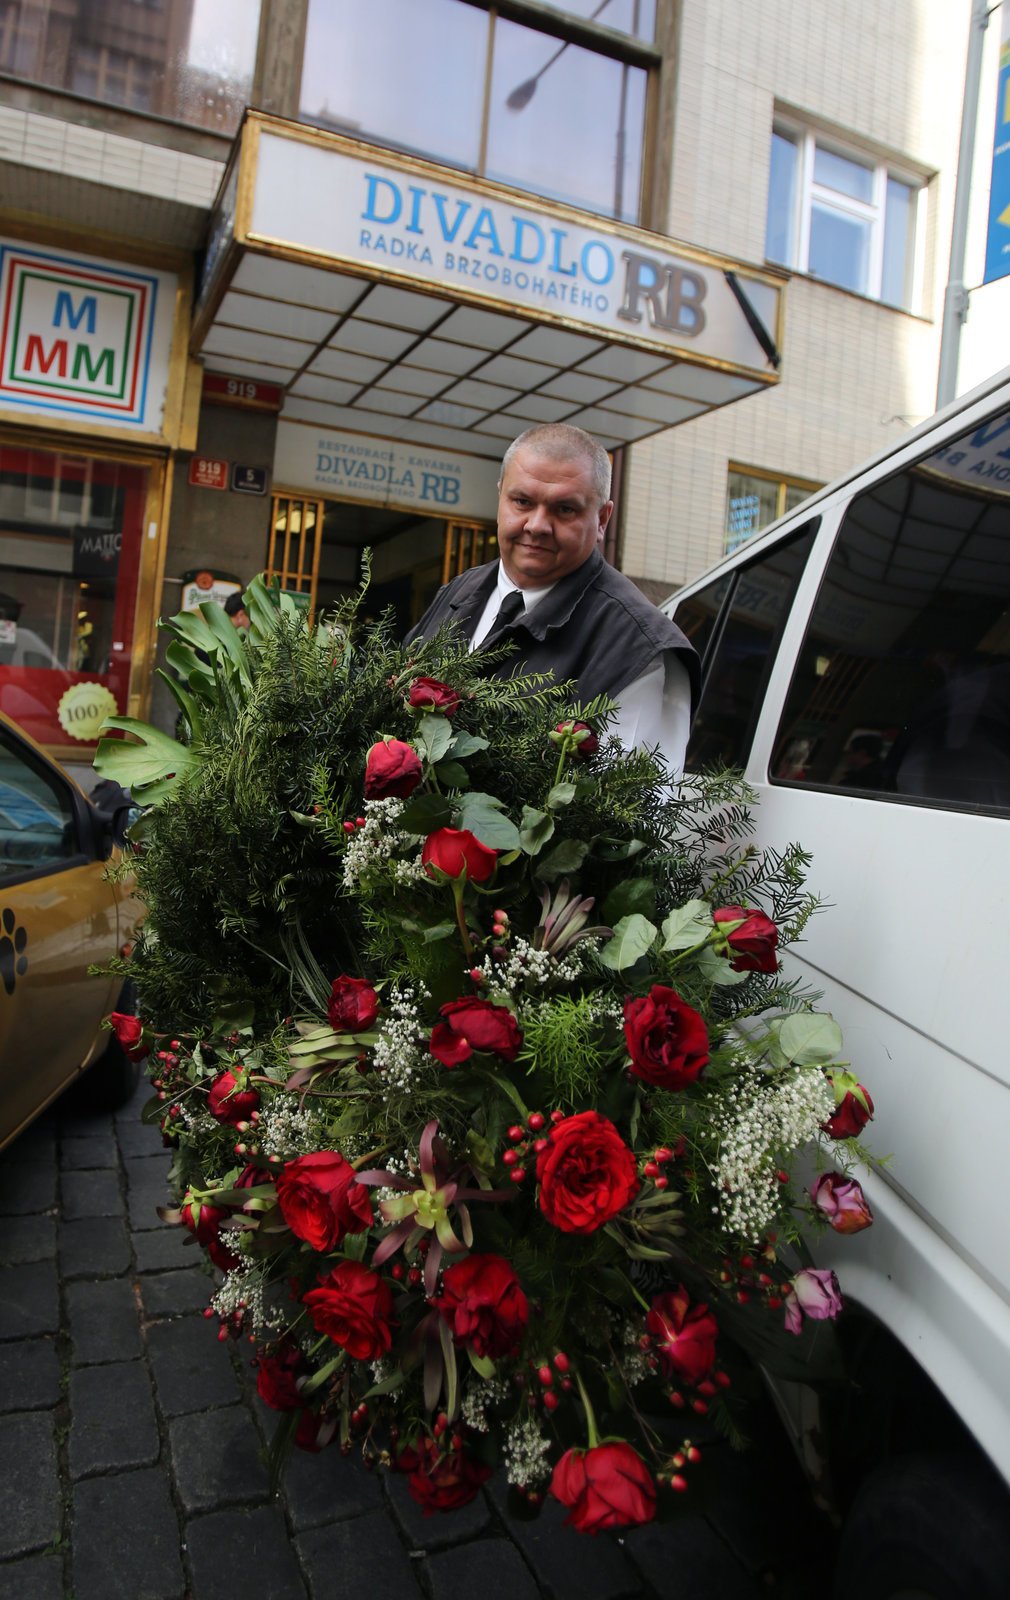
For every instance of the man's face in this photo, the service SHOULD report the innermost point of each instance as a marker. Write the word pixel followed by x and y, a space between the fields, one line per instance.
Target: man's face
pixel 240 619
pixel 549 518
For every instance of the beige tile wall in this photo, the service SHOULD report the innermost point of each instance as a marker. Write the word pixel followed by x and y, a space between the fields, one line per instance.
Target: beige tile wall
pixel 855 373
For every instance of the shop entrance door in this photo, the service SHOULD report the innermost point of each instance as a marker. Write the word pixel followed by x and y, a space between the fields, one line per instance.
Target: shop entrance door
pixel 296 529
pixel 70 550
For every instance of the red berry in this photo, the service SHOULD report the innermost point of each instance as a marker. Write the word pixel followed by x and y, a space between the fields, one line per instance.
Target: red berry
pixel 662 1154
pixel 746 1262
pixel 540 1145
pixel 498 929
pixel 707 1388
pixel 677 1399
pixel 662 1182
pixel 546 1376
pixel 500 916
pixel 677 1460
pixel 517 1174
pixel 651 1169
pixel 700 1406
pixel 783 1177
pixel 551 1401
pixel 516 1132
pixel 774 1302
pixel 693 1454
pixel 359 822
pixel 723 1379
pixel 414 1276
pixel 560 1360
pixel 535 1121
pixel 348 827
pixel 678 1483
pixel 475 975
pixel 396 1270
pixel 510 1158
pixel 557 1116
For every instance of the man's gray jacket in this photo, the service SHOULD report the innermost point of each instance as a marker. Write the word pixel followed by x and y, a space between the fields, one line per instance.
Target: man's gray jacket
pixel 594 627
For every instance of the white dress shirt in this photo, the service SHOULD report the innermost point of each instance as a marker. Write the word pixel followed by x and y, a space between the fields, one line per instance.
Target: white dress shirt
pixel 654 709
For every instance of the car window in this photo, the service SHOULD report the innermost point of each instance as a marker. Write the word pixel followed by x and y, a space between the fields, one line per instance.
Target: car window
pixel 696 615
pixel 902 686
pixel 37 822
pixel 742 648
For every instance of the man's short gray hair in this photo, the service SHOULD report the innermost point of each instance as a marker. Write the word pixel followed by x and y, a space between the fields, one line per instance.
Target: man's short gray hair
pixel 560 441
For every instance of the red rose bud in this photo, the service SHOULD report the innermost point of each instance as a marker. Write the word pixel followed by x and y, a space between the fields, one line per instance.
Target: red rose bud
pixel 753 940
pixel 354 1005
pixel 683 1335
pixel 130 1033
pixel 583 742
pixel 813 1293
pixel 353 1306
pixel 455 851
pixel 442 1480
pixel 275 1377
pixel 850 1116
pixel 667 1039
pixel 484 1305
pixel 202 1219
pixel 229 1102
pixel 606 1487
pixel 428 694
pixel 471 1025
pixel 842 1202
pixel 392 769
pixel 586 1174
pixel 321 1199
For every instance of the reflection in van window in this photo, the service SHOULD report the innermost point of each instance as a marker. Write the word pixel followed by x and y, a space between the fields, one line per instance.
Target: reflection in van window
pixel 696 615
pixel 743 652
pixel 903 683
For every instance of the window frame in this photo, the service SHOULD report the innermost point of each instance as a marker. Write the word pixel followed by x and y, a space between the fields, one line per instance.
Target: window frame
pixel 783 482
pixel 554 24
pixel 807 140
pixel 86 828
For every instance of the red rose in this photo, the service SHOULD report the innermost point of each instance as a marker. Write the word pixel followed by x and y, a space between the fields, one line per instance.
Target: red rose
pixel 229 1101
pixel 667 1039
pixel 354 1005
pixel 275 1377
pixel 354 1308
pixel 321 1199
pixel 483 1302
pixel 606 1487
pixel 203 1220
pixel 683 1334
pixel 130 1032
pixel 429 694
pixel 392 768
pixel 586 1173
pixel 471 1025
pixel 850 1116
pixel 585 743
pixel 753 943
pixel 455 850
pixel 442 1481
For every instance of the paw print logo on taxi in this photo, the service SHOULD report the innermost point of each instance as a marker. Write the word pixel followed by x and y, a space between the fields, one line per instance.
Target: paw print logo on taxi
pixel 13 961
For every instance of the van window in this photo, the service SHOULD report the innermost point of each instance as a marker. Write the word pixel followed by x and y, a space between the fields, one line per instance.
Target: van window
pixel 696 616
pixel 741 648
pixel 902 686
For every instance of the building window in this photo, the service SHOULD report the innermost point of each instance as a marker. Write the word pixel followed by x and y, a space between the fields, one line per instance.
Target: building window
pixel 839 215
pixel 550 99
pixel 755 498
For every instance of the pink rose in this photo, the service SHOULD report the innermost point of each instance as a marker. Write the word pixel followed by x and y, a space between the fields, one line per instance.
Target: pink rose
pixel 813 1293
pixel 842 1202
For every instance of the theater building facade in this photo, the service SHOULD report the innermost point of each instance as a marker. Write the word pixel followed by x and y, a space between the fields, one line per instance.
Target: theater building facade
pixel 280 281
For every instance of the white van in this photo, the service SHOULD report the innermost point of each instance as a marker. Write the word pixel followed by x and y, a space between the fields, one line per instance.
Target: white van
pixel 856 665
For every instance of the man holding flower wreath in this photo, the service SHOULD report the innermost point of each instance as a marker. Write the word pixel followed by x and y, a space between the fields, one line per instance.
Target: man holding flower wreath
pixel 568 610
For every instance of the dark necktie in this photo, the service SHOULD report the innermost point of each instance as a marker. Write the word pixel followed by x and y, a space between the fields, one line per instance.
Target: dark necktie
pixel 512 606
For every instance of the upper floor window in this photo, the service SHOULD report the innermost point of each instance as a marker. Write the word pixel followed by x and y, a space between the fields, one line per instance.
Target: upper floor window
pixel 755 498
pixel 839 215
pixel 174 58
pixel 556 104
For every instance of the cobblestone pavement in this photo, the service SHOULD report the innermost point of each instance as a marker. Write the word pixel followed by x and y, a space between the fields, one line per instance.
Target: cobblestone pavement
pixel 131 1440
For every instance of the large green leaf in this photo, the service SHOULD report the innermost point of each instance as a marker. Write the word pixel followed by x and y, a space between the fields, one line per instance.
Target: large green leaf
pixel 435 733
pixel 535 829
pixel 687 925
pixel 633 936
pixel 423 813
pixel 567 856
pixel 483 816
pixel 187 703
pixel 717 969
pixel 634 894
pixel 467 744
pixel 810 1038
pixel 150 767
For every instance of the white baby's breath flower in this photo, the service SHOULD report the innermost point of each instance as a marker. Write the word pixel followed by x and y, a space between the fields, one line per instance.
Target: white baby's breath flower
pixel 758 1119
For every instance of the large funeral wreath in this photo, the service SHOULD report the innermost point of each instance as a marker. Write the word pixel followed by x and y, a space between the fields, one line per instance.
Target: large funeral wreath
pixel 487 1096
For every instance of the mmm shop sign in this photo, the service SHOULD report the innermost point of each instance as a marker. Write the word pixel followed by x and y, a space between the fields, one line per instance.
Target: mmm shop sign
pixel 75 337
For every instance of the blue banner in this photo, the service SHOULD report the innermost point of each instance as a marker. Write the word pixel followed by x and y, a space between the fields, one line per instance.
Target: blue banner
pixel 997 252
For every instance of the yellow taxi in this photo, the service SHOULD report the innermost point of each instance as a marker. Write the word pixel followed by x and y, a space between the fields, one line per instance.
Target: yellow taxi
pixel 59 915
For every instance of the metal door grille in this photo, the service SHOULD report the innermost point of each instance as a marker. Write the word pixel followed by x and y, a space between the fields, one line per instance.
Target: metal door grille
pixel 467 544
pixel 296 535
